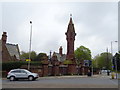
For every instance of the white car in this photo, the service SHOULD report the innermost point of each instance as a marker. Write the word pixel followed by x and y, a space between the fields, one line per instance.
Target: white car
pixel 105 72
pixel 21 74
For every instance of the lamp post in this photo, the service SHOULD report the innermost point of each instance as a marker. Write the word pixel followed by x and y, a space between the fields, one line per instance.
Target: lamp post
pixel 111 47
pixel 112 57
pixel 30 45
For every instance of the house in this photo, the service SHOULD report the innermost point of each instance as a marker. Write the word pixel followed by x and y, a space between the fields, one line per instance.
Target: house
pixel 9 52
pixel 60 56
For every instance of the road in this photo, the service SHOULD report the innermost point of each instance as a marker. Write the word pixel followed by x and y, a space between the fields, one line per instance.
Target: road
pixel 64 82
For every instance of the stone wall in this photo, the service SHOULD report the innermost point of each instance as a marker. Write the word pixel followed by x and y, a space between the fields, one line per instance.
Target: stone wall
pixel 57 70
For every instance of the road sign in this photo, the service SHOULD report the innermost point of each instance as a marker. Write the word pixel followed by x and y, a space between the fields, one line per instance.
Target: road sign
pixel 28 59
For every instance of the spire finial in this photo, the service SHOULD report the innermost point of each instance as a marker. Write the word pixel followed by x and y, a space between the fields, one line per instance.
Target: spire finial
pixel 70 15
pixel 30 22
pixel 70 19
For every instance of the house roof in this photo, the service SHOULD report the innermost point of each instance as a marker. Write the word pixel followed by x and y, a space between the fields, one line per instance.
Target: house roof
pixel 60 58
pixel 0 50
pixel 13 50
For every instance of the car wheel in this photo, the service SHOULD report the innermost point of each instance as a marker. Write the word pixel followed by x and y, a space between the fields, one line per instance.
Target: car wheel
pixel 30 78
pixel 12 78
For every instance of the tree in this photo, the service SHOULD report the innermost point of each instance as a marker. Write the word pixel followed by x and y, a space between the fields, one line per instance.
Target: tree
pixel 82 53
pixel 103 61
pixel 33 55
pixel 41 56
pixel 95 61
pixel 25 55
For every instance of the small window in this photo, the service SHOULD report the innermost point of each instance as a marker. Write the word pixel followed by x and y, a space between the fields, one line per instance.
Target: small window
pixel 22 71
pixel 16 71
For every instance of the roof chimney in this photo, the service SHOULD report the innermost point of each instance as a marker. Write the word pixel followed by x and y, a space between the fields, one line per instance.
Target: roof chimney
pixel 60 50
pixel 4 37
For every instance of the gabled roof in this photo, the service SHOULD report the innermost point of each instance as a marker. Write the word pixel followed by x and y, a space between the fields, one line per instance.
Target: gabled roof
pixel 61 58
pixel 13 50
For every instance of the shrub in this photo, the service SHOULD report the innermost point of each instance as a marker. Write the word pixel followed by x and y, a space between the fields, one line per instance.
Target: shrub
pixel 67 62
pixel 6 66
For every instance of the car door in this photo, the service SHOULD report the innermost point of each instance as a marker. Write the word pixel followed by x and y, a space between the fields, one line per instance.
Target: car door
pixel 17 73
pixel 24 74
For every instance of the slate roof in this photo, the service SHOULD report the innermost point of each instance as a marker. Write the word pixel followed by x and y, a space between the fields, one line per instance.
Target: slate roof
pixel 60 58
pixel 13 50
pixel 0 50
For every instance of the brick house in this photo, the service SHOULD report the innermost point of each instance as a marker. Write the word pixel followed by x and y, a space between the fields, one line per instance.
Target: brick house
pixel 60 56
pixel 9 52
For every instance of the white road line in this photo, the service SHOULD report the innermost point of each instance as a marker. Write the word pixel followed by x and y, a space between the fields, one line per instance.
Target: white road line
pixel 114 82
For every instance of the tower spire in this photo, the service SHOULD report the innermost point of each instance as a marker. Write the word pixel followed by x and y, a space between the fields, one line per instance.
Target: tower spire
pixel 71 22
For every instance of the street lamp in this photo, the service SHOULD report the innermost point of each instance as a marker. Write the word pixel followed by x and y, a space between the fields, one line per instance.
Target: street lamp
pixel 112 57
pixel 111 47
pixel 30 45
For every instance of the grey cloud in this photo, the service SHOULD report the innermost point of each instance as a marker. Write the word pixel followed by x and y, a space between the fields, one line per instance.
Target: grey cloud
pixel 95 24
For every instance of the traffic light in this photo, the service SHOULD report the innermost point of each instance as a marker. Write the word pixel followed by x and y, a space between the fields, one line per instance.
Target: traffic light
pixel 90 62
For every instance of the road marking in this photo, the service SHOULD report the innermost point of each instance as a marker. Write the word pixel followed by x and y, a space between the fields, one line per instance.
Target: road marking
pixel 114 82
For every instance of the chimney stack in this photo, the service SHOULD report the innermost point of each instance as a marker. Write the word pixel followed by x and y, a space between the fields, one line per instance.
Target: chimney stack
pixel 4 37
pixel 60 50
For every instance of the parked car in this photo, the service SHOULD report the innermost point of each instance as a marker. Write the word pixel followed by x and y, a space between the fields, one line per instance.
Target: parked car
pixel 16 74
pixel 103 71
pixel 106 72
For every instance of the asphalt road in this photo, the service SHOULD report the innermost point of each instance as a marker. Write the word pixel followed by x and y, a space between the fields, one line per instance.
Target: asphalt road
pixel 63 82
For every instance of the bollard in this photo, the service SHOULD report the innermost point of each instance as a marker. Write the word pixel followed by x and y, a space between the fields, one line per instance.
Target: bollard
pixel 112 75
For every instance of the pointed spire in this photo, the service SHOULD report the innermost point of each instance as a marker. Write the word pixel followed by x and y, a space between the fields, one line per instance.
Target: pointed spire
pixel 71 22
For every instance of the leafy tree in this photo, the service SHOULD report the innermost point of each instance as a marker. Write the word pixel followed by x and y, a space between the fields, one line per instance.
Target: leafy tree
pixel 82 53
pixel 95 61
pixel 41 56
pixel 25 55
pixel 103 61
pixel 33 55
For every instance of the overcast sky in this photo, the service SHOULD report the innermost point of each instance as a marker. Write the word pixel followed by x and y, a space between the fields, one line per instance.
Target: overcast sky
pixel 96 25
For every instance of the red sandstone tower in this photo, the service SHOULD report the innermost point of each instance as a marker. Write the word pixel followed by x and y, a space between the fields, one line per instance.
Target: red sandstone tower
pixel 70 37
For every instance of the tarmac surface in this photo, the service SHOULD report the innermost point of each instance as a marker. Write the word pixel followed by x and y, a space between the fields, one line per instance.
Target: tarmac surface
pixel 96 81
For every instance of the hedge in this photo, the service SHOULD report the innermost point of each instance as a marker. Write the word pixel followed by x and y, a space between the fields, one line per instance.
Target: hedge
pixel 6 66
